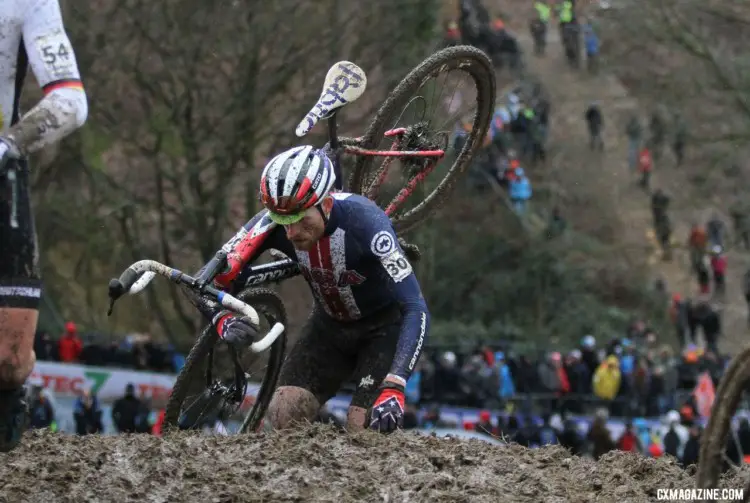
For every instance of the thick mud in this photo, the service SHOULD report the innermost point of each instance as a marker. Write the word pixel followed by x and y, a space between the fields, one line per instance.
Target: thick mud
pixel 320 464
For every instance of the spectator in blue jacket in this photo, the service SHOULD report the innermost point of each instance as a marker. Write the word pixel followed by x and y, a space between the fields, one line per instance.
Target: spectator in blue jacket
pixel 87 414
pixel 506 388
pixel 413 386
pixel 591 42
pixel 520 191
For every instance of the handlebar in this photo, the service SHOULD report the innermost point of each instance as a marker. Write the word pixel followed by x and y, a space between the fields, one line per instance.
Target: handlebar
pixel 136 277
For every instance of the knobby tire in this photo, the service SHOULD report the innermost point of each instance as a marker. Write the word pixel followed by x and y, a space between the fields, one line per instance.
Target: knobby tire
pixel 267 303
pixel 471 61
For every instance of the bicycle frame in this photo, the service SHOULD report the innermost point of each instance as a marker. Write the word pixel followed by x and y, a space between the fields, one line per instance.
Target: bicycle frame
pixel 353 146
pixel 343 85
pixel 272 272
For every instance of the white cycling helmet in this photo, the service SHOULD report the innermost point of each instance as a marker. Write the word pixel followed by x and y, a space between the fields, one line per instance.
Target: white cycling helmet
pixel 294 181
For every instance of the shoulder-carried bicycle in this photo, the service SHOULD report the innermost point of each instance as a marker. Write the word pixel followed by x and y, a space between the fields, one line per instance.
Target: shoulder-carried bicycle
pixel 217 382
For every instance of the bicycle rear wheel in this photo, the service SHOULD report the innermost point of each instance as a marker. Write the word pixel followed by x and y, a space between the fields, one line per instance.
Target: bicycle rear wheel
pixel 715 437
pixel 416 89
pixel 199 396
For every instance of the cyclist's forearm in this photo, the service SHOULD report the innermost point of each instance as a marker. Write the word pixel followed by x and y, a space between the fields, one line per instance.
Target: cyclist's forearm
pixel 245 246
pixel 232 277
pixel 61 112
pixel 414 329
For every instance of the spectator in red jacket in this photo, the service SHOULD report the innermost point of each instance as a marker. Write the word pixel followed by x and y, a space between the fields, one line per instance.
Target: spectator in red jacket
pixel 645 166
pixel 629 442
pixel 719 268
pixel 70 345
pixel 158 426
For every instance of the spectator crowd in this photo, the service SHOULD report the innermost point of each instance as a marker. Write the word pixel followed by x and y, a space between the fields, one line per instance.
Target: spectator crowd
pixel 134 351
pixel 676 434
pixel 630 376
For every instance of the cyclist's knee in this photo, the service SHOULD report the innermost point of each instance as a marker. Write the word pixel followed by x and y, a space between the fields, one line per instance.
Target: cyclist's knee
pixel 291 404
pixel 17 358
pixel 356 418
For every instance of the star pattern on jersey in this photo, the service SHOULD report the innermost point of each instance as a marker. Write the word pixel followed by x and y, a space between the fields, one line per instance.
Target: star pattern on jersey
pixel 383 243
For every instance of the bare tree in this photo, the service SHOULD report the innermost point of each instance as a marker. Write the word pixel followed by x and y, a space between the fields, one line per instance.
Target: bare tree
pixel 188 99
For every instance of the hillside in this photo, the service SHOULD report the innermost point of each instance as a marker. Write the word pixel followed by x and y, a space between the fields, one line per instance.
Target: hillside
pixel 571 92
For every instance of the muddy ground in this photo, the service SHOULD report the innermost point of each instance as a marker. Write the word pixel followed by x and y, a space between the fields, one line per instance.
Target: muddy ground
pixel 319 464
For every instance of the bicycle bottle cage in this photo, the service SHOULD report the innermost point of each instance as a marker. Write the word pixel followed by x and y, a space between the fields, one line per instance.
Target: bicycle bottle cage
pixel 345 82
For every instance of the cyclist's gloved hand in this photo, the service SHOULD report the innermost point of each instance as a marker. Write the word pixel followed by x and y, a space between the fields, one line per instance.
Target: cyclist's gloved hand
pixel 8 151
pixel 387 413
pixel 236 330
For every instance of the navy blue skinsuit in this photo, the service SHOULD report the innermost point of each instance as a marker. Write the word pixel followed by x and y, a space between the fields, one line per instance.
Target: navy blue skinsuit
pixel 357 271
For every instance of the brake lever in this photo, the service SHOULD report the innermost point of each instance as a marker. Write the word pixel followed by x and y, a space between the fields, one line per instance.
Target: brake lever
pixel 111 307
pixel 116 290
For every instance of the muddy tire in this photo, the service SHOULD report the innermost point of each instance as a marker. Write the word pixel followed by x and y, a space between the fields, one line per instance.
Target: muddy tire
pixel 269 305
pixel 478 66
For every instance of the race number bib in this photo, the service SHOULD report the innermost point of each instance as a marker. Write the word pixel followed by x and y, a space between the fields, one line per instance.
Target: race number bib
pixel 396 265
pixel 58 57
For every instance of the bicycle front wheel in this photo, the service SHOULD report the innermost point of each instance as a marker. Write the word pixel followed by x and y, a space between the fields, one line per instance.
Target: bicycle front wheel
pixel 203 393
pixel 406 108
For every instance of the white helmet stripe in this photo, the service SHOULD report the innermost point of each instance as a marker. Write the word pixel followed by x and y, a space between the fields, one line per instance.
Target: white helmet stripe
pixel 294 170
pixel 321 190
pixel 274 170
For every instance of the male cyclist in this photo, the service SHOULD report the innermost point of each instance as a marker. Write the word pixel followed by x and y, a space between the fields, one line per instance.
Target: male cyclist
pixel 32 35
pixel 369 321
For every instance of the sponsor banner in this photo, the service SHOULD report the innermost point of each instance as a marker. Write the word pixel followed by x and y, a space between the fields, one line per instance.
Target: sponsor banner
pixel 64 379
pixel 67 380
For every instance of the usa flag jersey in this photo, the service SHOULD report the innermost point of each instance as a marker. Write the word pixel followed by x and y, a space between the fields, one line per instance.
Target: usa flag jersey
pixel 355 270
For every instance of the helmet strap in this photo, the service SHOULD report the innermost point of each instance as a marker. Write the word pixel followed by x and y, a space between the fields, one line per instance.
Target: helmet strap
pixel 323 214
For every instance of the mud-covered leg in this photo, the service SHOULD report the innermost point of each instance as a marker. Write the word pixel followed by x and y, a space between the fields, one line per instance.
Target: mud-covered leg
pixel 291 405
pixel 20 292
pixel 312 373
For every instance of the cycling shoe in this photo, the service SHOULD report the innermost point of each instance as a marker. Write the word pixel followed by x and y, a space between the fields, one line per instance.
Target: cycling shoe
pixel 14 416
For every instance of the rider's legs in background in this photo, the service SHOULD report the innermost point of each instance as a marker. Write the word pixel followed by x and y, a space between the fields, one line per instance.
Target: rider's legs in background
pixel 20 292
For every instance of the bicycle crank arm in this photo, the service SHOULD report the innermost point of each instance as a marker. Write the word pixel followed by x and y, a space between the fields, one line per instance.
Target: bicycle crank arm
pixel 269 339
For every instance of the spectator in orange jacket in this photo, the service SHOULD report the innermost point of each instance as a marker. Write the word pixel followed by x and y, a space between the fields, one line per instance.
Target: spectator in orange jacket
pixel 70 345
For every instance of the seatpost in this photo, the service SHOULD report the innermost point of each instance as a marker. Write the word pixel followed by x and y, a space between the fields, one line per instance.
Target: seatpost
pixel 333 142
